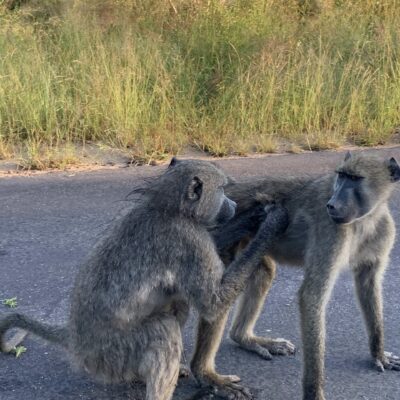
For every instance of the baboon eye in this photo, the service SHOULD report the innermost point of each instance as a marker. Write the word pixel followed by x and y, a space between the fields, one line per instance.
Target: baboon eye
pixel 355 177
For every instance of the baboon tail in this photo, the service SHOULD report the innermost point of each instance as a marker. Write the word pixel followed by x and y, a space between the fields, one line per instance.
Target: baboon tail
pixel 54 334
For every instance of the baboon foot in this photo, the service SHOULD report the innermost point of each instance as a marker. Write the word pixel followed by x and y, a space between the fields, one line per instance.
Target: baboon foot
pixel 184 371
pixel 266 347
pixel 219 387
pixel 388 361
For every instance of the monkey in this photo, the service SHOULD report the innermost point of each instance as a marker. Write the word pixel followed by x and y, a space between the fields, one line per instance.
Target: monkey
pixel 131 297
pixel 337 220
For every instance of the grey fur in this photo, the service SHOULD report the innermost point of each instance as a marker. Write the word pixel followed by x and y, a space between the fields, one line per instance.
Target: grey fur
pixel 323 248
pixel 131 298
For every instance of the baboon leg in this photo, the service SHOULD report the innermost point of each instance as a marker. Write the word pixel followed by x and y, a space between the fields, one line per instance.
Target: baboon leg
pixel 160 362
pixel 181 311
pixel 368 281
pixel 313 297
pixel 248 310
pixel 161 383
pixel 209 335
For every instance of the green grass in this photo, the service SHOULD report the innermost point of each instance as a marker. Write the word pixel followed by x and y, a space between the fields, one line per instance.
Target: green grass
pixel 153 77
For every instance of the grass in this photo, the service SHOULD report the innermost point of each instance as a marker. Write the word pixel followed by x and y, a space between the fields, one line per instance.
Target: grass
pixel 12 302
pixel 229 77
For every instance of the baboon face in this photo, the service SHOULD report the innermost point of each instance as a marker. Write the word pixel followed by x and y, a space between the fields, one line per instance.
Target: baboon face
pixel 360 185
pixel 204 197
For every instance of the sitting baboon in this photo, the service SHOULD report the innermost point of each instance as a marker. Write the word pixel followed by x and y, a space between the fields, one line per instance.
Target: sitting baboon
pixel 357 231
pixel 131 297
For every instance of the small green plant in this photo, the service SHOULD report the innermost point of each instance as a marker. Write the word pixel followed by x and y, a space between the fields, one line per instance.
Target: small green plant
pixel 18 350
pixel 12 302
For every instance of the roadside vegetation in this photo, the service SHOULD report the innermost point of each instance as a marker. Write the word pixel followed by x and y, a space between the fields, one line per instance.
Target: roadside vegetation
pixel 228 77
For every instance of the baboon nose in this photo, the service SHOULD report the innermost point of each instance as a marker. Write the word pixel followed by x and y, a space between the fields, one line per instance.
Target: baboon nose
pixel 330 206
pixel 233 204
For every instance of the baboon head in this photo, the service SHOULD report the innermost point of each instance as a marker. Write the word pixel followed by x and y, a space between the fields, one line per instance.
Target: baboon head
pixel 362 183
pixel 194 189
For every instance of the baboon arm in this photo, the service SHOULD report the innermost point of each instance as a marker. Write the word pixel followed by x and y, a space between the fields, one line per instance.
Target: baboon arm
pixel 208 339
pixel 368 283
pixel 315 291
pixel 210 293
pixel 236 275
pixel 368 276
pixel 241 225
pixel 367 279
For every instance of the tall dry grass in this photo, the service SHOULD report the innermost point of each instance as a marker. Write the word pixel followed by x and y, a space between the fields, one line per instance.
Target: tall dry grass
pixel 226 76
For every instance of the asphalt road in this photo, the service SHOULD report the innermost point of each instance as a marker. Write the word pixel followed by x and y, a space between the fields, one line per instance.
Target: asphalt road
pixel 49 222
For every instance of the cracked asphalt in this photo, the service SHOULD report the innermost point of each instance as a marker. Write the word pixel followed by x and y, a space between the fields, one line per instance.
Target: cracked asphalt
pixel 48 224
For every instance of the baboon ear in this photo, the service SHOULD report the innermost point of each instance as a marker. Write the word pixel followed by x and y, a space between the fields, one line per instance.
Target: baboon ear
pixel 173 162
pixel 394 170
pixel 195 189
pixel 347 156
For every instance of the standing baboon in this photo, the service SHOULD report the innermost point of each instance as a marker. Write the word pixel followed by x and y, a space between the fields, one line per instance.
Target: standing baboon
pixel 357 231
pixel 132 296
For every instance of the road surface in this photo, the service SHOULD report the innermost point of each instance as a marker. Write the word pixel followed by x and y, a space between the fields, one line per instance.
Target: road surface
pixel 49 222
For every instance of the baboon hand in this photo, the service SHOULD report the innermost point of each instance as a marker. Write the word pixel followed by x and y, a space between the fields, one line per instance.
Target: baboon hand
pixel 256 216
pixel 388 361
pixel 277 220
